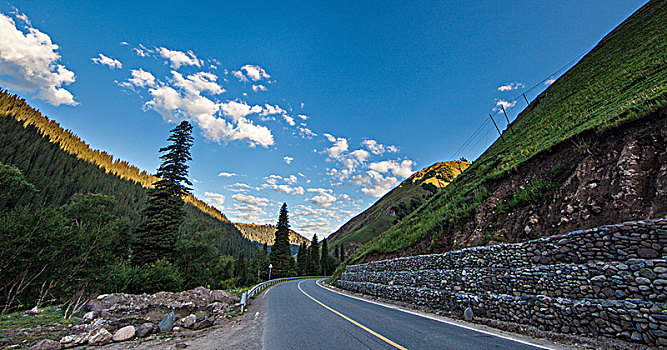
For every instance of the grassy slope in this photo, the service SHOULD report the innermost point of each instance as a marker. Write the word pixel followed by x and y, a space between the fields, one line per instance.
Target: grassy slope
pixel 623 77
pixel 383 214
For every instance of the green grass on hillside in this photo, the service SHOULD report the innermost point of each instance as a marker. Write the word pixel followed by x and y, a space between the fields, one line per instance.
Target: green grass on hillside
pixel 624 77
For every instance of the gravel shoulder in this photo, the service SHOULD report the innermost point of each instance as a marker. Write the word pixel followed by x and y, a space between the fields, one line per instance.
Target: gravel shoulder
pixel 242 332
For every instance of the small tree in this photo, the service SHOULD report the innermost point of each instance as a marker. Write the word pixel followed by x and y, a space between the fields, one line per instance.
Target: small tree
pixel 314 257
pixel 280 252
pixel 164 212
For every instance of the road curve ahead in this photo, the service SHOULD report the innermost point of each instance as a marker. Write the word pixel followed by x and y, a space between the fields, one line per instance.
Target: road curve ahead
pixel 302 315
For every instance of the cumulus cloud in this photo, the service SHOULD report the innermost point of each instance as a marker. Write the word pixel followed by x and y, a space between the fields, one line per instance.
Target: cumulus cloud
pixel 306 133
pixel 549 81
pixel 289 120
pixel 247 212
pixel 297 191
pixel 197 83
pixel 179 58
pixel 402 169
pixel 107 61
pixel 241 187
pixel 360 154
pixel 140 78
pixel 324 197
pixel 29 62
pixel 215 199
pixel 248 199
pixel 378 148
pixel 502 103
pixel 379 184
pixel 259 87
pixel 303 117
pixel 226 174
pixel 255 73
pixel 340 145
pixel 288 159
pixel 511 86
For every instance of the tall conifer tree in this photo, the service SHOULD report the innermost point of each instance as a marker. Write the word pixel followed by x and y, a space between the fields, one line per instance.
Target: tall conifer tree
pixel 324 259
pixel 164 212
pixel 280 252
pixel 314 257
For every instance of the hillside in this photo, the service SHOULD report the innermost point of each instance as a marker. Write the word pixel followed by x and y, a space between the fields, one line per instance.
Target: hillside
pixel 589 149
pixel 266 234
pixel 59 164
pixel 397 204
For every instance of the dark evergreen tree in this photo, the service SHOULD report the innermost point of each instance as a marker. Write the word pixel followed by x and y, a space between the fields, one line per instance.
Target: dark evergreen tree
pixel 324 259
pixel 280 251
pixel 314 257
pixel 164 212
pixel 341 253
pixel 240 270
pixel 301 259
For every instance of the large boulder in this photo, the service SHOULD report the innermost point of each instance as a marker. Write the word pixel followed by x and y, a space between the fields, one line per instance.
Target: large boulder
pixel 99 337
pixel 124 334
pixel 468 314
pixel 222 296
pixel 167 323
pixel 46 344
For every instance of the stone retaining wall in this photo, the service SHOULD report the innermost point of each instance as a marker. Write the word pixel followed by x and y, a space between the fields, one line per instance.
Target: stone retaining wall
pixel 610 281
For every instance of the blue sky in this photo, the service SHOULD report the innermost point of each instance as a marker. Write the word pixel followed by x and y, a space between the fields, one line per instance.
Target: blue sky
pixel 323 105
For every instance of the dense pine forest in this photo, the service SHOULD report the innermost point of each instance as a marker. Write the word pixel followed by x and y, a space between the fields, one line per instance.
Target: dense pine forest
pixel 67 225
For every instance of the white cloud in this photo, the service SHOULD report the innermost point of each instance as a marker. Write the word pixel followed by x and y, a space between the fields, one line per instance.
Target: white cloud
pixel 259 87
pixel 226 174
pixel 511 86
pixel 306 133
pixel 549 81
pixel 340 146
pixel 502 103
pixel 197 83
pixel 239 75
pixel 324 197
pixel 297 191
pixel 215 199
pixel 140 78
pixel 247 212
pixel 172 105
pixel 179 58
pixel 346 197
pixel 239 109
pixel 303 117
pixel 248 199
pixel 360 154
pixel 378 148
pixel 255 72
pixel 271 110
pixel 241 187
pixel 402 169
pixel 107 61
pixel 28 62
pixel 380 184
pixel 288 159
pixel 289 120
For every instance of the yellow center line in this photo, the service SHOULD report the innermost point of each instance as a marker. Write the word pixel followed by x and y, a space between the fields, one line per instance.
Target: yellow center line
pixel 385 339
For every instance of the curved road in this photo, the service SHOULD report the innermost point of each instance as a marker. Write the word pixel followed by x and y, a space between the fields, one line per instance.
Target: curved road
pixel 303 315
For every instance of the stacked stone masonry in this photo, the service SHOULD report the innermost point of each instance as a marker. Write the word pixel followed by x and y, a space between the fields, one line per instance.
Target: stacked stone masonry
pixel 609 281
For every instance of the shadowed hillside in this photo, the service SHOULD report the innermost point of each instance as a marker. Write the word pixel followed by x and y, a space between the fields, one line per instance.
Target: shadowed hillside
pixel 266 234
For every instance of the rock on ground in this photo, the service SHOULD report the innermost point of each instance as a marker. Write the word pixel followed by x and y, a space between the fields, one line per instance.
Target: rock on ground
pixel 99 337
pixel 46 344
pixel 124 334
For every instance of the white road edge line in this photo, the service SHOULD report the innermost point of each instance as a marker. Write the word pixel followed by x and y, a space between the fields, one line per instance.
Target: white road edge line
pixel 439 319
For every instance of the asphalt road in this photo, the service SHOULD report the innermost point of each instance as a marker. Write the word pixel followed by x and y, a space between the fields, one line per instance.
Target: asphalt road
pixel 302 315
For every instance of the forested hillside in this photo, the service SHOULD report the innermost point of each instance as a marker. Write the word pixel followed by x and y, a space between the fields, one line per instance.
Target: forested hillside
pixel 265 234
pixel 586 115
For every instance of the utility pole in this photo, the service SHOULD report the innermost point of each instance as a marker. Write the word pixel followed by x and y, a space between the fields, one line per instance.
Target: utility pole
pixel 524 97
pixel 496 125
pixel 508 119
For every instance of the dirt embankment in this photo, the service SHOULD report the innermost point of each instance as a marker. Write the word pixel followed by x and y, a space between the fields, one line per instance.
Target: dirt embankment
pixel 589 180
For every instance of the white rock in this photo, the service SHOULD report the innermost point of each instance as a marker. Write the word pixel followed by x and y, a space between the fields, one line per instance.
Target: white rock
pixel 189 321
pixel 99 337
pixel 124 333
